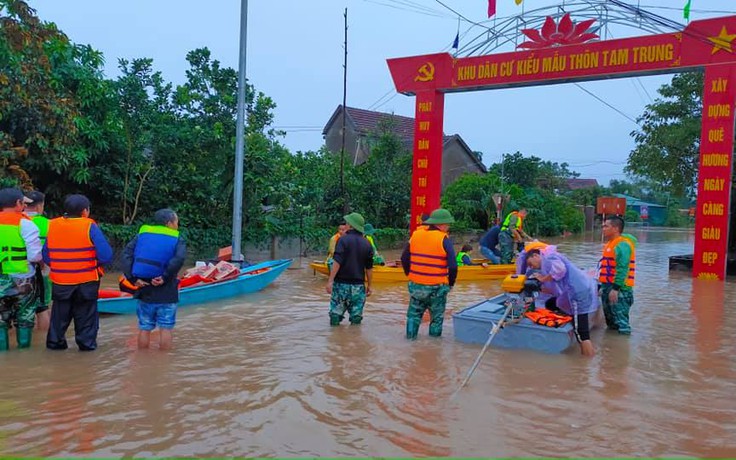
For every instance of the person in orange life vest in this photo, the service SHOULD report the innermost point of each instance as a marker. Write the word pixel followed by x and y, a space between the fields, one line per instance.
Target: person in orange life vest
pixel 75 250
pixel 573 291
pixel 34 209
pixel 152 261
pixel 341 230
pixel 20 250
pixel 429 262
pixel 616 279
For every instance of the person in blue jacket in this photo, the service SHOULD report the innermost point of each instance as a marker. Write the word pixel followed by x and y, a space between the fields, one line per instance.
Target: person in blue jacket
pixel 151 261
pixel 489 245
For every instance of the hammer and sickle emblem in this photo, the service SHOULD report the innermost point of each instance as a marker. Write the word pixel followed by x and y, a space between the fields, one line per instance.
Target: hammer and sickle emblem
pixel 426 72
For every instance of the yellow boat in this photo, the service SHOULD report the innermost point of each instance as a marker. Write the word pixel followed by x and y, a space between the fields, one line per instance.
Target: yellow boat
pixel 395 274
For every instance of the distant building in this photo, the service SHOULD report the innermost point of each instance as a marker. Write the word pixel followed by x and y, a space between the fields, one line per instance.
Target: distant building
pixel 579 184
pixel 656 213
pixel 457 157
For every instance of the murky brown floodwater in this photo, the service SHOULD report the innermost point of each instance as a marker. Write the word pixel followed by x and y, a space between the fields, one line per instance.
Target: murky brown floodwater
pixel 265 375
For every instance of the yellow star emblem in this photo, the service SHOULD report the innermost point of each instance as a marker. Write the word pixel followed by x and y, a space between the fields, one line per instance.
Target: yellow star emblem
pixel 722 41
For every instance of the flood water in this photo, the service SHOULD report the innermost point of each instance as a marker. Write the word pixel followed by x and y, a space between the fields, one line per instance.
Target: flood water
pixel 265 375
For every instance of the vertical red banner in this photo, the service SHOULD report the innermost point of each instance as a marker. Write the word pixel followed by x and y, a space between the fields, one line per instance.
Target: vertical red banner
pixel 426 183
pixel 714 173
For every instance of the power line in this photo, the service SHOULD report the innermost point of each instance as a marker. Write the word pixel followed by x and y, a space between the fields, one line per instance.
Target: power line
pixel 595 163
pixel 674 8
pixel 608 105
pixel 426 13
pixel 463 17
pixel 391 93
pixel 645 89
pixel 419 6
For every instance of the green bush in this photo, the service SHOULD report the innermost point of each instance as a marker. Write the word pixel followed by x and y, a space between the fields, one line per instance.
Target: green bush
pixel 675 218
pixel 549 214
pixel 631 216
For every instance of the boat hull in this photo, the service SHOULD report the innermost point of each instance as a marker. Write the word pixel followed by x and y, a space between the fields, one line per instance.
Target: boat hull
pixel 473 324
pixel 246 283
pixel 384 274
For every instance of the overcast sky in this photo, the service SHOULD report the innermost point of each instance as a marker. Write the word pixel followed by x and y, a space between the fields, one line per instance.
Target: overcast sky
pixel 295 53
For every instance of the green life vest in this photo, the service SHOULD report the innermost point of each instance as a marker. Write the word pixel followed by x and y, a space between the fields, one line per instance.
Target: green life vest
pixel 159 230
pixel 43 226
pixel 372 242
pixel 507 221
pixel 13 256
pixel 459 258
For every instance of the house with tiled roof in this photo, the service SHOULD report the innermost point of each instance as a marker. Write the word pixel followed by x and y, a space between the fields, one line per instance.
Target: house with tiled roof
pixel 360 124
pixel 579 184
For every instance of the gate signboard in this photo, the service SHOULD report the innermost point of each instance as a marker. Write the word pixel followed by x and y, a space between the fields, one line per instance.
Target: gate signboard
pixel 573 53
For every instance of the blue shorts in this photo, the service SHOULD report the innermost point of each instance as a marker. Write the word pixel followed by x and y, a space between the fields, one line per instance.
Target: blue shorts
pixel 151 315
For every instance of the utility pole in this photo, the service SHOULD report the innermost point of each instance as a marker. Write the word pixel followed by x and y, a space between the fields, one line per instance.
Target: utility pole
pixel 344 110
pixel 237 255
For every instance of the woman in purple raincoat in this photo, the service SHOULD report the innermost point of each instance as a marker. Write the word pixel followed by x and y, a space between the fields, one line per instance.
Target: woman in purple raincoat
pixel 570 288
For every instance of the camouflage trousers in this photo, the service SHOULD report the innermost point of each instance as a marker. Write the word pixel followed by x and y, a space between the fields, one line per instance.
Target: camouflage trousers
pixel 347 297
pixel 617 315
pixel 506 243
pixel 421 298
pixel 18 299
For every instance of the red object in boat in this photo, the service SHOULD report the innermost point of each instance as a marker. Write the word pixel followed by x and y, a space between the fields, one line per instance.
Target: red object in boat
pixel 111 293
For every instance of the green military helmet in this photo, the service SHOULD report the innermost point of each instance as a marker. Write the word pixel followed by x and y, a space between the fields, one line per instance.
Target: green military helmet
pixel 356 221
pixel 439 217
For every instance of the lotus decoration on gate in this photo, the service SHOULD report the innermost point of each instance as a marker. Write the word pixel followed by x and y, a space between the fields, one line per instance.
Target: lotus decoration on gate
pixel 554 34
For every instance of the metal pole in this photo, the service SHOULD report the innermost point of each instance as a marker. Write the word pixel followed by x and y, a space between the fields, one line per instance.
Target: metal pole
pixel 494 331
pixel 240 138
pixel 344 110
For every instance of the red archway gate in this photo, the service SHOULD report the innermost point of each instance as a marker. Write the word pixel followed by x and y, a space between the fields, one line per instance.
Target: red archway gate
pixel 560 54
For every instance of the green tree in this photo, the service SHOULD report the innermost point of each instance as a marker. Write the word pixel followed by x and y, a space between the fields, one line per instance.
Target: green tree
pixel 532 171
pixel 588 196
pixel 46 83
pixel 668 142
pixel 470 199
pixel 549 213
pixel 517 169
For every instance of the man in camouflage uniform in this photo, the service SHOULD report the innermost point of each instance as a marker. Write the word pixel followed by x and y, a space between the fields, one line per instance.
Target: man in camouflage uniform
pixel 20 249
pixel 429 262
pixel 512 232
pixel 352 266
pixel 617 273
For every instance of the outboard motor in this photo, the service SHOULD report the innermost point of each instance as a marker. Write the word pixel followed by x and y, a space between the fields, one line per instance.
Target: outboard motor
pixel 520 294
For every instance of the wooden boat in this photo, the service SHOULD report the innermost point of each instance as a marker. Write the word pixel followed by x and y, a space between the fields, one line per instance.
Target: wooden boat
pixel 389 274
pixel 252 278
pixel 473 324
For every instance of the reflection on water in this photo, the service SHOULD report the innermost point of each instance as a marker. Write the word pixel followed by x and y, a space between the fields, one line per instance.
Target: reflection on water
pixel 265 375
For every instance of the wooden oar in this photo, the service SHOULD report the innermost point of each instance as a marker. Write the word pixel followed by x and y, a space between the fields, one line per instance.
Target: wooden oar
pixel 494 331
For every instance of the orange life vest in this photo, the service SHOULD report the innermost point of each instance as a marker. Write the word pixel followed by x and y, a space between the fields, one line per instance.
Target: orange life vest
pixel 73 258
pixel 12 218
pixel 428 258
pixel 547 318
pixel 608 262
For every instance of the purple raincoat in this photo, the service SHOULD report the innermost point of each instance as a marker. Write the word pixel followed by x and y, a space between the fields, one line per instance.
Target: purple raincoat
pixel 576 291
